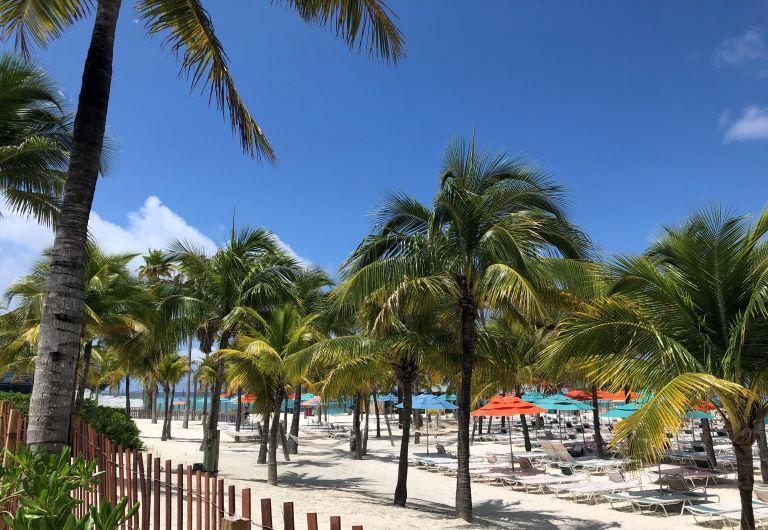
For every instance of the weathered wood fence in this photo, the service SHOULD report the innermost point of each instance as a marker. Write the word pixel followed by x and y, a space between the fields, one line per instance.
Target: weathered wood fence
pixel 170 497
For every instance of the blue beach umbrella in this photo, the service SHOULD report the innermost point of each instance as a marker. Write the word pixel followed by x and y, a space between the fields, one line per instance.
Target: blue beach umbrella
pixel 387 397
pixel 429 402
pixel 622 411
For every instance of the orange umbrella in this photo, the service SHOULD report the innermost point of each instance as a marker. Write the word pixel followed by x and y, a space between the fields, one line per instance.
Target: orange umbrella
pixel 579 394
pixel 248 398
pixel 508 406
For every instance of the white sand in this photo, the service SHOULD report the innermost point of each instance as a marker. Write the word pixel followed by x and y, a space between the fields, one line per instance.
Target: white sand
pixel 325 479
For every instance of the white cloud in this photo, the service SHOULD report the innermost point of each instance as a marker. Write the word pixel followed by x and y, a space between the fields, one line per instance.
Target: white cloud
pixel 752 124
pixel 743 49
pixel 152 226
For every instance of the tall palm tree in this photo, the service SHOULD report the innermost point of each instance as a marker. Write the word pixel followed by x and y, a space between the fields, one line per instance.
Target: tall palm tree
pixel 35 137
pixel 187 27
pixel 479 248
pixel 687 320
pixel 168 371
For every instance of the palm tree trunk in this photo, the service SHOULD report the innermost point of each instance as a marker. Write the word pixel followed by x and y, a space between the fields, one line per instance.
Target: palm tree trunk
pixel 401 491
pixel 365 432
pixel 153 400
pixel 376 410
pixel 762 447
pixel 194 401
pixel 746 479
pixel 167 415
pixel 274 431
pixel 596 421
pixel 239 416
pixel 706 438
pixel 170 412
pixel 205 401
pixel 185 424
pixel 211 442
pixel 526 434
pixel 128 395
pixel 61 323
pixel 293 441
pixel 468 338
pixel 83 379
pixel 356 428
pixel 264 441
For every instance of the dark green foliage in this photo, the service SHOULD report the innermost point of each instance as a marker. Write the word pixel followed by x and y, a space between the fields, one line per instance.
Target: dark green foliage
pixel 118 427
pixel 18 401
pixel 43 484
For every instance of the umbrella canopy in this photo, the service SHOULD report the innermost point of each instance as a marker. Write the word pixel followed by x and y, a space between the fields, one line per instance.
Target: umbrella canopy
pixel 562 402
pixel 698 414
pixel 429 402
pixel 314 400
pixel 622 411
pixel 532 396
pixel 448 397
pixel 387 397
pixel 508 406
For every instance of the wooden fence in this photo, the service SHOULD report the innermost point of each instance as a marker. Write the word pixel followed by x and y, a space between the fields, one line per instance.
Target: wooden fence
pixel 170 497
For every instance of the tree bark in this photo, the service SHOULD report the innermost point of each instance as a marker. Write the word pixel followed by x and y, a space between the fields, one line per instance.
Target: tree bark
pixel 205 401
pixel 762 448
pixel 166 416
pixel 153 401
pixel 194 401
pixel 128 395
pixel 264 440
pixel 293 441
pixel 468 339
pixel 526 434
pixel 376 410
pixel 61 322
pixel 82 382
pixel 185 424
pixel 273 434
pixel 211 442
pixel 596 422
pixel 356 428
pixel 239 416
pixel 365 432
pixel 401 490
pixel 746 479
pixel 706 439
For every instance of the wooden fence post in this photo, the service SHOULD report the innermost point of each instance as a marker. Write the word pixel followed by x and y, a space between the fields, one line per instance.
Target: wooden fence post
pixel 288 520
pixel 180 497
pixel 10 435
pixel 266 513
pixel 168 494
pixel 246 500
pixel 335 522
pixel 311 521
pixel 235 523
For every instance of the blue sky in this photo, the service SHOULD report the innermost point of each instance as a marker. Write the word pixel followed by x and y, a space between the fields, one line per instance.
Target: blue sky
pixel 642 110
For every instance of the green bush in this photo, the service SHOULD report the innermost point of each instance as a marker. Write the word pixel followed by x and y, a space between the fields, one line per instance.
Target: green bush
pixel 18 401
pixel 43 484
pixel 119 428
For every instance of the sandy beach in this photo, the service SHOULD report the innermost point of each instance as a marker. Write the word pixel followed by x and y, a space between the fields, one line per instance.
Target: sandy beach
pixel 324 478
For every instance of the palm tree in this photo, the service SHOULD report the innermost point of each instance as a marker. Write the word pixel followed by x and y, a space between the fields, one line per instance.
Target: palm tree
pixel 188 29
pixel 168 371
pixel 113 301
pixel 479 248
pixel 260 361
pixel 249 272
pixel 35 136
pixel 687 320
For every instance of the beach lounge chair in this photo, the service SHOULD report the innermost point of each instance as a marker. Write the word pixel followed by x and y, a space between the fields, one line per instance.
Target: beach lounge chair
pixel 653 501
pixel 540 483
pixel 706 512
pixel 761 492
pixel 593 490
pixel 733 519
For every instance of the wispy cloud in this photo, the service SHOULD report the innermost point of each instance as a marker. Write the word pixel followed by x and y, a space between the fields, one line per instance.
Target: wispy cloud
pixel 747 48
pixel 751 124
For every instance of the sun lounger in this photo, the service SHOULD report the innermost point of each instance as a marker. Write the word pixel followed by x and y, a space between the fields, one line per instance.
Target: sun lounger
pixel 706 512
pixel 623 497
pixel 652 502
pixel 733 519
pixel 592 490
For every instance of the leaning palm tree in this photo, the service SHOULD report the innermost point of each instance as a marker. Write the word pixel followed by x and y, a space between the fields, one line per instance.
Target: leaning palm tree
pixel 168 371
pixel 478 248
pixel 35 136
pixel 187 28
pixel 687 320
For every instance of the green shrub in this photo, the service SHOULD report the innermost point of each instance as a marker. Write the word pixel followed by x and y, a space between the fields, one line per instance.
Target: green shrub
pixel 119 428
pixel 43 484
pixel 18 401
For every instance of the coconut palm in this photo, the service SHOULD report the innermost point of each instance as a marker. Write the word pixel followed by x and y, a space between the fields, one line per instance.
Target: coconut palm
pixel 687 320
pixel 479 247
pixel 248 273
pixel 113 299
pixel 168 371
pixel 188 30
pixel 260 362
pixel 35 136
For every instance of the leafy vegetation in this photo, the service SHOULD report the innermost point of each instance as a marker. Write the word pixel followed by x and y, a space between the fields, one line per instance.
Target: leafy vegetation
pixel 114 423
pixel 19 401
pixel 43 483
